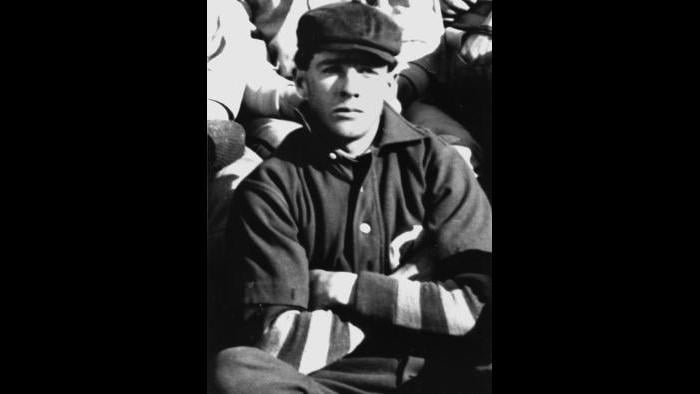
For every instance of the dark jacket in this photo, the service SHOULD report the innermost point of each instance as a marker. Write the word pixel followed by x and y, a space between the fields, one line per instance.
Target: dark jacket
pixel 306 208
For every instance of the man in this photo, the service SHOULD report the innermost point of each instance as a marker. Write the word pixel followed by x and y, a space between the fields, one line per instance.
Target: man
pixel 361 250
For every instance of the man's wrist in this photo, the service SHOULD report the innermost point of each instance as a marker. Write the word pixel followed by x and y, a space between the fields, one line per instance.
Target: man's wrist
pixel 343 287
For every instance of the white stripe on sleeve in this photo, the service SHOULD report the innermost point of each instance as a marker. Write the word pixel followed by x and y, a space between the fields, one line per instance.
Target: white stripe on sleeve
pixel 459 317
pixel 317 344
pixel 356 337
pixel 278 332
pixel 408 313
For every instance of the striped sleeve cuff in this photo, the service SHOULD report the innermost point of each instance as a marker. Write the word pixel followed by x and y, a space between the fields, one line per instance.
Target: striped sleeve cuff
pixel 424 306
pixel 310 340
pixel 375 296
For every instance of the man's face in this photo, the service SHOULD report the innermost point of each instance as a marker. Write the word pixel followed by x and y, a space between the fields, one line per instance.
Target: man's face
pixel 346 91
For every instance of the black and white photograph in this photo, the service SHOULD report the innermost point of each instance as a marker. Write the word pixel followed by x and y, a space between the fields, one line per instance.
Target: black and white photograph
pixel 349 196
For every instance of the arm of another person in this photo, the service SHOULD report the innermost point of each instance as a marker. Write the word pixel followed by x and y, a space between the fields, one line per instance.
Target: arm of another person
pixel 477 46
pixel 458 228
pixel 284 45
pixel 272 271
pixel 228 30
pixel 269 94
pixel 238 73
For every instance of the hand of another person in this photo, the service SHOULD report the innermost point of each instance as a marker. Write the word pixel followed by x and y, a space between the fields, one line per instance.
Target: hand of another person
pixel 282 49
pixel 330 288
pixel 457 5
pixel 476 48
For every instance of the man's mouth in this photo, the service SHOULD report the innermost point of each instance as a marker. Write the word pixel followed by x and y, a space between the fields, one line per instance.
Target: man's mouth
pixel 346 110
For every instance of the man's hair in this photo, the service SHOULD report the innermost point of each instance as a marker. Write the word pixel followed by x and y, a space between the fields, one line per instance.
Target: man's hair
pixel 302 60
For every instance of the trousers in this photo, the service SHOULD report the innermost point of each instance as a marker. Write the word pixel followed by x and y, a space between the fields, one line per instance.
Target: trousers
pixel 243 370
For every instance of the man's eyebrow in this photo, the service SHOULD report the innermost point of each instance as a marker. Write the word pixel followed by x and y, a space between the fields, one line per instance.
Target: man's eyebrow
pixel 333 61
pixel 351 61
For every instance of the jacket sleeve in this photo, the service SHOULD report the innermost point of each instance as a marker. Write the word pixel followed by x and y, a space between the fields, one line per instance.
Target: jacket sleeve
pixel 271 271
pixel 307 340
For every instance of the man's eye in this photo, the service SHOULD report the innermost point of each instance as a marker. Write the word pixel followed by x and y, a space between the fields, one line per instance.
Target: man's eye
pixel 367 70
pixel 331 69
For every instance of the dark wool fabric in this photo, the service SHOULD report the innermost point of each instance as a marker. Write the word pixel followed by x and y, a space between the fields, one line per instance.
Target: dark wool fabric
pixel 305 208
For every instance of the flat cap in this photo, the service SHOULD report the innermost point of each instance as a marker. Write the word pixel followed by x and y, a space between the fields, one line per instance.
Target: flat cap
pixel 349 26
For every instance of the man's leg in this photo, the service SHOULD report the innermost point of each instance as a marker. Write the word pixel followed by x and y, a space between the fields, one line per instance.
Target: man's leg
pixel 359 375
pixel 243 370
pixel 250 370
pixel 449 378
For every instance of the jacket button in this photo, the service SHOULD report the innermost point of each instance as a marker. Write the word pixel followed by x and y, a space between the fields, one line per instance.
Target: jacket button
pixel 365 228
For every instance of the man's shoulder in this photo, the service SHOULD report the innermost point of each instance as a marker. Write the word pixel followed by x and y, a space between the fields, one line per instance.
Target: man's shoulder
pixel 425 146
pixel 411 133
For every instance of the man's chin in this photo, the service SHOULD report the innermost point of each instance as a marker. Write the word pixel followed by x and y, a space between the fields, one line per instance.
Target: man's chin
pixel 348 129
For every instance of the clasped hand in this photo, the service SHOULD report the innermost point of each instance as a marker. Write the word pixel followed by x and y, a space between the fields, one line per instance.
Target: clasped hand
pixel 330 288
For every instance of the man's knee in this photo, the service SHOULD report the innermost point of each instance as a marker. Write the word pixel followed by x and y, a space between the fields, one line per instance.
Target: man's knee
pixel 234 371
pixel 243 370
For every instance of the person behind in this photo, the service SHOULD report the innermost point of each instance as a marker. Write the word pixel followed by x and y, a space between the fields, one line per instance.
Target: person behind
pixel 457 77
pixel 239 78
pixel 238 74
pixel 360 252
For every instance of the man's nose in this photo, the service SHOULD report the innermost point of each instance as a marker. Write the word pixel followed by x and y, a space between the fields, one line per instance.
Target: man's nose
pixel 350 83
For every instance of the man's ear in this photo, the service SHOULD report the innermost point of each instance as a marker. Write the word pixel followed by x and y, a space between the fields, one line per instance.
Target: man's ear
pixel 392 81
pixel 300 82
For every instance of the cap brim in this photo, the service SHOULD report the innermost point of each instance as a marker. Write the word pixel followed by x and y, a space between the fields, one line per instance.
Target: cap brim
pixel 385 56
